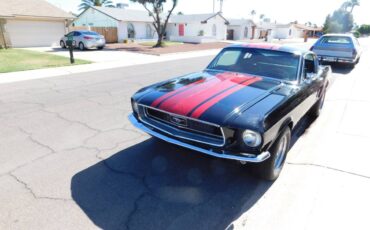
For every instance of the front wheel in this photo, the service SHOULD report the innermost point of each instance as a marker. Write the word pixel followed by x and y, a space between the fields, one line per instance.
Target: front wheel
pixel 271 168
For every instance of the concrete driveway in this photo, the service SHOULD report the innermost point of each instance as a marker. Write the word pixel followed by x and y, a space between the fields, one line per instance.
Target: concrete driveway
pixel 69 159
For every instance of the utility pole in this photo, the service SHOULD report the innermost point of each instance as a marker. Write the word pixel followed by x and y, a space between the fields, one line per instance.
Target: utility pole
pixel 221 5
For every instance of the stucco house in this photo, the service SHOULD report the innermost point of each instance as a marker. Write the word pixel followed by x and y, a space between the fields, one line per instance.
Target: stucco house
pixel 240 29
pixel 286 31
pixel 31 23
pixel 130 24
pixel 138 25
pixel 197 28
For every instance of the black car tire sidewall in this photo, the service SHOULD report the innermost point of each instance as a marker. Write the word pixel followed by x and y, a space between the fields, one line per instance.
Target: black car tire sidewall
pixel 62 44
pixel 81 47
pixel 266 169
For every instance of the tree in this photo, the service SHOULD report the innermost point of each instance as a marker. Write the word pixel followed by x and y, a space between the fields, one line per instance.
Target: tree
pixel 253 13
pixel 155 10
pixel 87 3
pixel 327 24
pixel 262 16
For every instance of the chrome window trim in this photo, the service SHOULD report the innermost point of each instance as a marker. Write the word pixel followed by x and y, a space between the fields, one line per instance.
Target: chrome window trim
pixel 182 137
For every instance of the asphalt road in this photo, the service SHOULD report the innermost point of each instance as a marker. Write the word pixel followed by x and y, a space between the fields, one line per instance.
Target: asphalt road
pixel 69 159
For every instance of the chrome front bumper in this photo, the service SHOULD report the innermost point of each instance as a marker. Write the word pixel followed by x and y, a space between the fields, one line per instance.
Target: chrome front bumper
pixel 245 157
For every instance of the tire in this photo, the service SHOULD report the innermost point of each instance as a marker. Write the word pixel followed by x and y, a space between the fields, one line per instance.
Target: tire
pixel 100 47
pixel 271 168
pixel 317 108
pixel 62 44
pixel 81 46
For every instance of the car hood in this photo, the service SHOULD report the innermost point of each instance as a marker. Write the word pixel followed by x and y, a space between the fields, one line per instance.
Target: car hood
pixel 211 96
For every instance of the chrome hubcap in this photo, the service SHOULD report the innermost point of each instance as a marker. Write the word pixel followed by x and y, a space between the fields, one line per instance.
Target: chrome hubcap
pixel 280 153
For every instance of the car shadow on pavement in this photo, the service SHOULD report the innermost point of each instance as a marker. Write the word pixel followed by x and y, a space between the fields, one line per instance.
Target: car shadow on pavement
pixel 340 68
pixel 155 185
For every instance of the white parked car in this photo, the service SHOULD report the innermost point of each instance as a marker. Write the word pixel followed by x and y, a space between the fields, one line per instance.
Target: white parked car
pixel 84 39
pixel 343 48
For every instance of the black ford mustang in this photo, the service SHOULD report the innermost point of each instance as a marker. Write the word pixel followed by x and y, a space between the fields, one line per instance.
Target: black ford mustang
pixel 242 107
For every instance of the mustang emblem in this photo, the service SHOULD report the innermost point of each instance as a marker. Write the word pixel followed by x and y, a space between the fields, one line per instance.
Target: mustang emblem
pixel 178 121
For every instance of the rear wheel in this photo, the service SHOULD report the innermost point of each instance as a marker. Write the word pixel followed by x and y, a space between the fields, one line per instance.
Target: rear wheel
pixel 271 168
pixel 317 108
pixel 100 47
pixel 81 46
pixel 62 44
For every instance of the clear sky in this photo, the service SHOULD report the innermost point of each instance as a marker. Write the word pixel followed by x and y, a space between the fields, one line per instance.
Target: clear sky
pixel 282 11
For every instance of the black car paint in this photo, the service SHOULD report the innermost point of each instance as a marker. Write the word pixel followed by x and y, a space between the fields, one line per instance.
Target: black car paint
pixel 266 107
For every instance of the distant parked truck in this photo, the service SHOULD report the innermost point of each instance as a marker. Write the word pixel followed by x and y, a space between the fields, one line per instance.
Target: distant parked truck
pixel 84 39
pixel 342 48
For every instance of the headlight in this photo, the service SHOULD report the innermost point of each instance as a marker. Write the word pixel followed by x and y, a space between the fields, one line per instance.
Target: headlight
pixel 135 107
pixel 251 138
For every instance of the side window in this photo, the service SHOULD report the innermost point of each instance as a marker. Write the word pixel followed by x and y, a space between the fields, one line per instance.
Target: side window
pixel 310 66
pixel 76 33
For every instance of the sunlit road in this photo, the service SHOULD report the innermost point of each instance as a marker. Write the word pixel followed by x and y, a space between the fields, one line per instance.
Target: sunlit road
pixel 69 159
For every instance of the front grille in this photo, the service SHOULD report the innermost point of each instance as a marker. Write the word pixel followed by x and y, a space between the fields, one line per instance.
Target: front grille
pixel 191 124
pixel 181 127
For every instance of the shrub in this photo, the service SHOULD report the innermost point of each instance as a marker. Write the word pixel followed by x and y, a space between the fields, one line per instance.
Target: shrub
pixel 201 33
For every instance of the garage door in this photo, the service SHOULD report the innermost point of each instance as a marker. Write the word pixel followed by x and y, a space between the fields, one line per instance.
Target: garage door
pixel 34 33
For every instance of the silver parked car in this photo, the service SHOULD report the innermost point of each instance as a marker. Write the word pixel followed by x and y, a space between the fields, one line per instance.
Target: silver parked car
pixel 343 48
pixel 84 39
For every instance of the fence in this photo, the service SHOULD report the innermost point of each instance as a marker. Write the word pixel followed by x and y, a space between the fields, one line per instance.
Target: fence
pixel 110 33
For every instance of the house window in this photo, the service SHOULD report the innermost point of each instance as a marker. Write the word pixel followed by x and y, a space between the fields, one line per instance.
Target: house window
pixel 290 32
pixel 130 30
pixel 246 32
pixel 149 31
pixel 214 30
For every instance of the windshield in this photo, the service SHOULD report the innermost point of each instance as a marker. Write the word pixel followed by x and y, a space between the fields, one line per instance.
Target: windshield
pixel 267 63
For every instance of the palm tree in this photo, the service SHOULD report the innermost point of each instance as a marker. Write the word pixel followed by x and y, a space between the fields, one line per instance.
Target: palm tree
pixel 87 3
pixel 253 12
pixel 262 16
pixel 350 4
pixel 353 4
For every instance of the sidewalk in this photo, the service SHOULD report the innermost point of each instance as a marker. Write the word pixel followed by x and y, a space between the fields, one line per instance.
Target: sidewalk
pixel 127 59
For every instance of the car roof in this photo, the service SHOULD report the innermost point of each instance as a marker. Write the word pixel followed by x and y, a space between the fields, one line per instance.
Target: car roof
pixel 272 46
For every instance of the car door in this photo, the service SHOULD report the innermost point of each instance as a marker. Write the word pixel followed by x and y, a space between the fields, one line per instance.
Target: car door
pixel 310 83
pixel 77 37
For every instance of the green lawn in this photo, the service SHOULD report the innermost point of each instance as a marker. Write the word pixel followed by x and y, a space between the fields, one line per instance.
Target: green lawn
pixel 12 60
pixel 165 43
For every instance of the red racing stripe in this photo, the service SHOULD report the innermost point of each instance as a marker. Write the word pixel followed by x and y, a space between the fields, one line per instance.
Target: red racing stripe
pixel 177 91
pixel 186 102
pixel 204 107
pixel 264 46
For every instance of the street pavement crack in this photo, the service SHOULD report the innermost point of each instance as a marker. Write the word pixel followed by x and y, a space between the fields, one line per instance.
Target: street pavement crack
pixel 34 195
pixel 36 141
pixel 71 121
pixel 329 168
